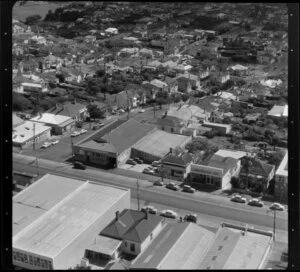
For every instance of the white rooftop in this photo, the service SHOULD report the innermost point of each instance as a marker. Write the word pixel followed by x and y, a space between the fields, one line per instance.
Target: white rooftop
pixel 231 153
pixel 25 132
pixel 50 118
pixel 71 215
pixel 279 111
pixel 283 167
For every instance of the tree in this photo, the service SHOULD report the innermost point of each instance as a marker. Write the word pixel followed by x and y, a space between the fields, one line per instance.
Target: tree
pixel 94 112
pixel 20 103
pixel 247 163
pixel 275 158
pixel 30 20
pixel 200 144
pixel 185 97
pixel 61 78
pixel 162 98
pixel 100 73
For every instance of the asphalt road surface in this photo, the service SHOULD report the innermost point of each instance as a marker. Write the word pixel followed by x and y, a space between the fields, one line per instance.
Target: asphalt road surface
pixel 209 205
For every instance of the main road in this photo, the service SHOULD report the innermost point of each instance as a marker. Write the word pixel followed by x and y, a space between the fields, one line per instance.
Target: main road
pixel 202 203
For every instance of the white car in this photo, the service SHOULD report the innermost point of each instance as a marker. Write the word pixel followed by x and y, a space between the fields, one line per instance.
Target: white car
pixel 141 110
pixel 239 199
pixel 46 144
pixel 82 131
pixel 148 171
pixel 255 202
pixel 277 207
pixel 54 142
pixel 75 133
pixel 169 214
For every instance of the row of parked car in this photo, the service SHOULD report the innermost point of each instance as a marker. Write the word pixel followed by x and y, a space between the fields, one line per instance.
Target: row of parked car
pixel 170 214
pixel 256 202
pixel 78 132
pixel 48 144
pixel 174 187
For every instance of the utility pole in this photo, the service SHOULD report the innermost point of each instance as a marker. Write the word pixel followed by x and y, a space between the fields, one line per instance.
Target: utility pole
pixel 138 193
pixel 36 160
pixel 274 223
pixel 72 150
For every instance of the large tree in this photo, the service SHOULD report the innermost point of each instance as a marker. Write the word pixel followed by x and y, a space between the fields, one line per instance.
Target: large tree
pixel 95 112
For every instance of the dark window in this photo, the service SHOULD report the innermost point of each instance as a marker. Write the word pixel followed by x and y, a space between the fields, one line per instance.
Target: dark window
pixel 132 247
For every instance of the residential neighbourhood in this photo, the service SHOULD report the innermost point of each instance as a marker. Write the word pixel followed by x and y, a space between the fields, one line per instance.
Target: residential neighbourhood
pixel 180 106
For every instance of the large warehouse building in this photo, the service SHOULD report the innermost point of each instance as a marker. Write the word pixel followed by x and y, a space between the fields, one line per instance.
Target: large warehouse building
pixel 157 144
pixel 57 218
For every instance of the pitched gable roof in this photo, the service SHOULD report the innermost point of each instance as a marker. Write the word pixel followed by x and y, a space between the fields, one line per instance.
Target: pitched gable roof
pixel 132 225
pixel 217 161
pixel 183 159
pixel 258 168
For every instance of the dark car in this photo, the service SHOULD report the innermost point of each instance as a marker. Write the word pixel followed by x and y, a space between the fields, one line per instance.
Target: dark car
pixel 79 165
pixel 172 186
pixel 139 161
pixel 131 161
pixel 190 218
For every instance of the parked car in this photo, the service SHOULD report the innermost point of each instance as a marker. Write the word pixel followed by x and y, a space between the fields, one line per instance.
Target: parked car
pixel 255 202
pixel 121 111
pixel 141 110
pixel 188 189
pixel 75 133
pixel 191 218
pixel 148 171
pixel 172 186
pixel 156 164
pixel 46 144
pixel 54 142
pixel 149 209
pixel 82 131
pixel 79 165
pixel 131 161
pixel 238 198
pixel 139 161
pixel 277 207
pixel 169 214
pixel 158 183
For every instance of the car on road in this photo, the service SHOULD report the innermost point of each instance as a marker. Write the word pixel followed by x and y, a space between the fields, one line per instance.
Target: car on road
pixel 141 110
pixel 255 202
pixel 131 161
pixel 169 214
pixel 238 198
pixel 277 207
pixel 46 144
pixel 139 161
pixel 54 142
pixel 172 186
pixel 158 183
pixel 156 164
pixel 149 209
pixel 190 218
pixel 148 171
pixel 79 165
pixel 75 133
pixel 188 189
pixel 82 131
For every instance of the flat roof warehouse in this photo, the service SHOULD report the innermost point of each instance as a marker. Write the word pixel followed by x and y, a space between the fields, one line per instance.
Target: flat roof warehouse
pixel 47 220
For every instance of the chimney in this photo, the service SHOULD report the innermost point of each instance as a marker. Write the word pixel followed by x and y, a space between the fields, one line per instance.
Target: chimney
pixel 171 150
pixel 117 215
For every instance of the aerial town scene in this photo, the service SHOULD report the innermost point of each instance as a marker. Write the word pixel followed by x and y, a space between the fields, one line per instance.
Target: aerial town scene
pixel 149 135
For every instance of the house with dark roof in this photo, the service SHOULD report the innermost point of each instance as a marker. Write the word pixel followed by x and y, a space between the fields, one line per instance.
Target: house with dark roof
pixel 76 110
pixel 215 171
pixel 135 229
pixel 170 124
pixel 177 166
pixel 256 173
